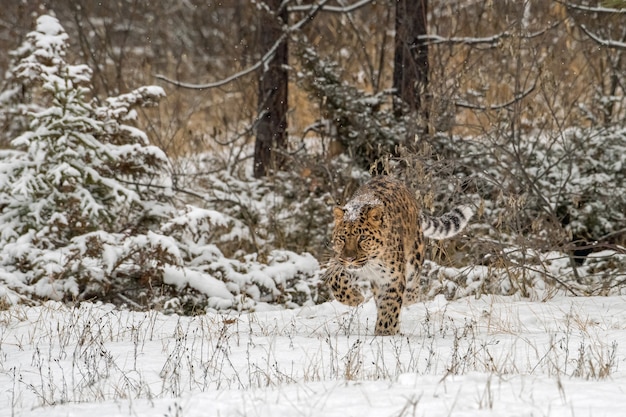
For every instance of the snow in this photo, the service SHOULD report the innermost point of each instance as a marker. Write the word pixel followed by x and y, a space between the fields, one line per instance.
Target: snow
pixel 493 356
pixel 352 210
pixel 478 355
pixel 202 282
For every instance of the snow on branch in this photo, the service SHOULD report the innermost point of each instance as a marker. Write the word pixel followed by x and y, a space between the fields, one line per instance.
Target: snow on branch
pixel 331 9
pixel 594 9
pixel 499 106
pixel 604 42
pixel 263 61
pixel 491 41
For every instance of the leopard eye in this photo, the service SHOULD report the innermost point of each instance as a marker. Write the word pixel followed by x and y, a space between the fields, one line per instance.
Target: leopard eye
pixel 363 238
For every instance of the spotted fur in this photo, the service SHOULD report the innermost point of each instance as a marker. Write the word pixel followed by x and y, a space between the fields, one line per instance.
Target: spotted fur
pixel 379 237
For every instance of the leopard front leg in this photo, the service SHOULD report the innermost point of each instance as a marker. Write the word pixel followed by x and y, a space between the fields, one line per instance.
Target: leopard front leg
pixel 388 297
pixel 343 285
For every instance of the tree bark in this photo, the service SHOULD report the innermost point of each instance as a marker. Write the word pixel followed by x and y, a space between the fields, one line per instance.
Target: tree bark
pixel 410 71
pixel 271 129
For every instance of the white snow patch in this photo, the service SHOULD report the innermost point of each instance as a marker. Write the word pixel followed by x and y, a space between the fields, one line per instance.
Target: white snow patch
pixel 202 282
pixel 352 209
pixel 493 356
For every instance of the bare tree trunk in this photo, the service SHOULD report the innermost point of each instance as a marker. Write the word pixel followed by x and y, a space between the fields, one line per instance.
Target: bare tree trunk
pixel 410 71
pixel 272 107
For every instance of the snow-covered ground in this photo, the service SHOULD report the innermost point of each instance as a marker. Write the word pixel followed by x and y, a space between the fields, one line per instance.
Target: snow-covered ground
pixel 493 356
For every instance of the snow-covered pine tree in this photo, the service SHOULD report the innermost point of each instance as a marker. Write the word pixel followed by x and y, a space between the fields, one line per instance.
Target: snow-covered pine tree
pixel 21 87
pixel 77 195
pixel 85 210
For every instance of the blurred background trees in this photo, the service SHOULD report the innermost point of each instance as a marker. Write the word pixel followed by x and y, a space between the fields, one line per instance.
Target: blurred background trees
pixel 482 55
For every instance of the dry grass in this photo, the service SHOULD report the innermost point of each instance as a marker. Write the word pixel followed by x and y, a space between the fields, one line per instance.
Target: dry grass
pixel 56 354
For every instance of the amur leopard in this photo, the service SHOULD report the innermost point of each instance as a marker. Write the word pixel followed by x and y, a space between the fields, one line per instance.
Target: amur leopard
pixel 379 237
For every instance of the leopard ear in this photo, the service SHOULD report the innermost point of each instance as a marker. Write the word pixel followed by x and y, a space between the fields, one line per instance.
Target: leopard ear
pixel 338 213
pixel 375 215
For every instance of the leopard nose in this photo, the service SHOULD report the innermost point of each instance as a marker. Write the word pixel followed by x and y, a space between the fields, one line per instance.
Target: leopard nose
pixel 349 253
pixel 348 258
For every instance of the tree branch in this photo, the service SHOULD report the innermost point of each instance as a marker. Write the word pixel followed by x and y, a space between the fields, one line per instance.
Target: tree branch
pixel 332 9
pixel 491 41
pixel 591 8
pixel 609 43
pixel 515 99
pixel 601 41
pixel 313 10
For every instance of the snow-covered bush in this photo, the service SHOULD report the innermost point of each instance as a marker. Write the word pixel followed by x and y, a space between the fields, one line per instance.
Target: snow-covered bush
pixel 77 173
pixel 87 210
pixel 234 282
pixel 276 212
pixel 547 202
pixel 574 179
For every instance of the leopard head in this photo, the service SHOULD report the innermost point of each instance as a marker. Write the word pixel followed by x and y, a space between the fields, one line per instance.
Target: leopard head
pixel 358 238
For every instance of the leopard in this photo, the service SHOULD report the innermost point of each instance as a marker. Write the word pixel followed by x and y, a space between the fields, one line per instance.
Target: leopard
pixel 379 237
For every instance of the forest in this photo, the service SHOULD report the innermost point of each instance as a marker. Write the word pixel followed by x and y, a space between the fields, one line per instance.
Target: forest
pixel 169 169
pixel 186 156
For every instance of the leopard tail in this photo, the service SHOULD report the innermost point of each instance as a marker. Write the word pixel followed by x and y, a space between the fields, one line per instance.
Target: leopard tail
pixel 448 225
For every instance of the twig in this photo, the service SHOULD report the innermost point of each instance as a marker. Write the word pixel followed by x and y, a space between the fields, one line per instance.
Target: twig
pixel 331 9
pixel 591 8
pixel 131 302
pixel 492 41
pixel 164 187
pixel 514 100
pixel 609 43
